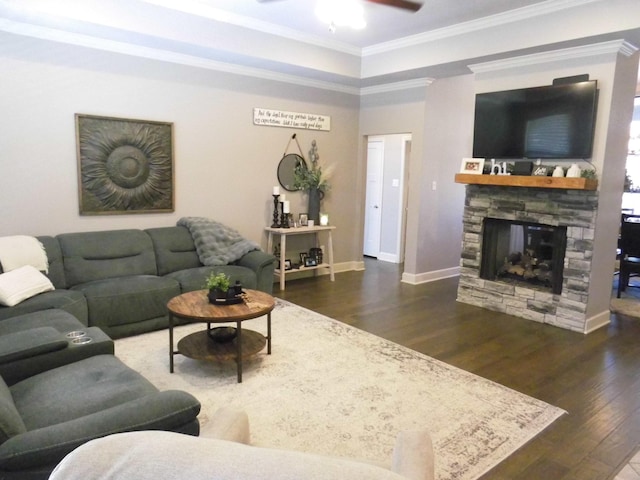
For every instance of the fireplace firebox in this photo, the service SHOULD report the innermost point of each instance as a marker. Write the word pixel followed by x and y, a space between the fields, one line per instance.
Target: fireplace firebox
pixel 523 253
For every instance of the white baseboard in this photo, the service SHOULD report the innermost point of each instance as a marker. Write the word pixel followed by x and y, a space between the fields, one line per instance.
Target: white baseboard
pixel 426 277
pixel 388 257
pixel 597 321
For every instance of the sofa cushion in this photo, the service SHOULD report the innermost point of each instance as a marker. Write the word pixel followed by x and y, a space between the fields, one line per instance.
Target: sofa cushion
pixel 91 256
pixel 174 249
pixel 131 299
pixel 194 278
pixel 68 300
pixel 63 394
pixel 11 423
pixel 22 283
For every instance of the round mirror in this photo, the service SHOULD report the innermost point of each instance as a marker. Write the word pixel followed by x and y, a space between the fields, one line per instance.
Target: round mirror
pixel 286 168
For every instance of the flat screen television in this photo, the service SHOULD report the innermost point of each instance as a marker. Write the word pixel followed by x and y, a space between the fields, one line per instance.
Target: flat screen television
pixel 555 121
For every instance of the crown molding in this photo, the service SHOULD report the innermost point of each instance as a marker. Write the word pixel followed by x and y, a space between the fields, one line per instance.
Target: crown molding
pixel 212 13
pixel 493 21
pixel 604 48
pixel 46 33
pixel 397 86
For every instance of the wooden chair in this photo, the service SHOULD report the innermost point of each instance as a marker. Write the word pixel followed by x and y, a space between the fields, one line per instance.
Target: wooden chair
pixel 629 250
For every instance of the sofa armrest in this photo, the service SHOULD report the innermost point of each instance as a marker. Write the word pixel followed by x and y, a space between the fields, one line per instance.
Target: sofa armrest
pixel 263 264
pixel 29 343
pixel 413 455
pixel 48 445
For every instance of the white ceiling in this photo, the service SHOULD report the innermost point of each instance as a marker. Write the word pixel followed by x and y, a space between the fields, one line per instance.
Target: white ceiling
pixel 283 40
pixel 383 23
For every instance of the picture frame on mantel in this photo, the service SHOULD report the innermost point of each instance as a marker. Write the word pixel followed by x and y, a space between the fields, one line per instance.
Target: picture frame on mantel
pixel 472 166
pixel 125 166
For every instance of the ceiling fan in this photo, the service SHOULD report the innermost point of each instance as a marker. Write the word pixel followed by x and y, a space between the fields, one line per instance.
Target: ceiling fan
pixel 403 4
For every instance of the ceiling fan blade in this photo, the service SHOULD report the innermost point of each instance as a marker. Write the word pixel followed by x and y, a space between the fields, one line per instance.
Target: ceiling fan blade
pixel 404 4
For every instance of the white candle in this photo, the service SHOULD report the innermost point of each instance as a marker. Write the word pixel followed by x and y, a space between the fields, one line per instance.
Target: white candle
pixel 276 190
pixel 285 206
pixel 282 198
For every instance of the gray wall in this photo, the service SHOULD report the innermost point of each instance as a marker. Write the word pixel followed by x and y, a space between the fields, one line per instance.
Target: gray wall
pixel 225 167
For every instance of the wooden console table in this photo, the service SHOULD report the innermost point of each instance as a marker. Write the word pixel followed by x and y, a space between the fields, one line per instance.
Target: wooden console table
pixel 281 272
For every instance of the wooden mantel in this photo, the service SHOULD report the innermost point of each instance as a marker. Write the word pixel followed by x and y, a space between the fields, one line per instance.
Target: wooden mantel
pixel 528 181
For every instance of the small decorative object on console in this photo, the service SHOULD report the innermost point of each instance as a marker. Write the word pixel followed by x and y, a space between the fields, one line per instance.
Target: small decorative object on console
pixel 316 254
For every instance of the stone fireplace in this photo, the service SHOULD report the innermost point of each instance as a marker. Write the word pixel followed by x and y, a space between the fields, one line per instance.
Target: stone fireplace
pixel 542 216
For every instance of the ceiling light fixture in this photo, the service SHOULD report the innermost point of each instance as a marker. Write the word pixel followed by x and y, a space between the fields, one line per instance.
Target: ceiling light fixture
pixel 341 13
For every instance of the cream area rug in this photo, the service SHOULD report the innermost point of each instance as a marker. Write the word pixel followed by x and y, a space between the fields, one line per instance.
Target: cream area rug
pixel 626 306
pixel 332 389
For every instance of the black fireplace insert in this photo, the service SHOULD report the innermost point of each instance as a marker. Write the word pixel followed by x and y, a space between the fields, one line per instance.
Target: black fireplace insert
pixel 523 253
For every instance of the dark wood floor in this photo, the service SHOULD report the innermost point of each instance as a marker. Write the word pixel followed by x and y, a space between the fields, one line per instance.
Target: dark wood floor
pixel 595 377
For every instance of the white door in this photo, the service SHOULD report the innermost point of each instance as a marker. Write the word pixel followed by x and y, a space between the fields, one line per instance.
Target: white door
pixel 373 201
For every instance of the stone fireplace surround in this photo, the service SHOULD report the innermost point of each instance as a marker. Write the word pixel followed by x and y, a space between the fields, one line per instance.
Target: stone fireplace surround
pixel 575 209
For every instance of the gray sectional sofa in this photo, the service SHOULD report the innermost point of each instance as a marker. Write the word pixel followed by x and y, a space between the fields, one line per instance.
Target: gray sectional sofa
pixel 121 280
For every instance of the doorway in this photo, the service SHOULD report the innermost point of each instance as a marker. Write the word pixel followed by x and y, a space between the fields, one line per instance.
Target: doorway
pixel 386 196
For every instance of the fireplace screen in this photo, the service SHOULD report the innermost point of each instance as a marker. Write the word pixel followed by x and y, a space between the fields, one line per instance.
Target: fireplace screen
pixel 523 253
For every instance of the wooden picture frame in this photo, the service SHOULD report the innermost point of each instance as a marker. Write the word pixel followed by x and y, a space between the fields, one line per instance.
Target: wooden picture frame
pixel 472 165
pixel 124 165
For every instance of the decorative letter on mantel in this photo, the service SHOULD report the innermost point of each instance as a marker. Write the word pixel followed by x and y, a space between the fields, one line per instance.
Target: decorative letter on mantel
pixel 278 118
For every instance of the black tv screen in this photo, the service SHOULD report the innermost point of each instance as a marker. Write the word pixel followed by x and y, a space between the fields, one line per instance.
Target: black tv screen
pixel 555 121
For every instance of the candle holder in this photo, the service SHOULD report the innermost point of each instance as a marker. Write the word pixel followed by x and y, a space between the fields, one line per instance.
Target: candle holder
pixel 275 223
pixel 284 218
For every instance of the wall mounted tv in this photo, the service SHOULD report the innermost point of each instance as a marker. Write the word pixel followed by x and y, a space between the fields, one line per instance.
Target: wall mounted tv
pixel 555 121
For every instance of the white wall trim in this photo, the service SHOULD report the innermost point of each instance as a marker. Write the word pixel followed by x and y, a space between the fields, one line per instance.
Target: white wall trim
pixel 124 48
pixel 597 321
pixel 519 14
pixel 426 277
pixel 396 86
pixel 388 257
pixel 613 47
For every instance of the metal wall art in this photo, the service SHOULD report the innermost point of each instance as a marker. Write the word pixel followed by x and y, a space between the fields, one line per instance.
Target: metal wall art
pixel 124 166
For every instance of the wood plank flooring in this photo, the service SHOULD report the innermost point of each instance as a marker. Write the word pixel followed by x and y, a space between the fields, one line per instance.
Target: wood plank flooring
pixel 595 377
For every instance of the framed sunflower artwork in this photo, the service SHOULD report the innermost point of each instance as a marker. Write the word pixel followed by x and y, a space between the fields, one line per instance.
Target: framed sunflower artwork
pixel 124 166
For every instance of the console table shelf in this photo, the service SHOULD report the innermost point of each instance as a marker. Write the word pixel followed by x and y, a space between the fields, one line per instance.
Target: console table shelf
pixel 528 181
pixel 280 271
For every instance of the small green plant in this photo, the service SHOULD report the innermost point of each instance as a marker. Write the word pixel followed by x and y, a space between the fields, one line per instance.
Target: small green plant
pixel 218 281
pixel 588 173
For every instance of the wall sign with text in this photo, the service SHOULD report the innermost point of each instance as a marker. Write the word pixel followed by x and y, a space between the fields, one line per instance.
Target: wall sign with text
pixel 279 118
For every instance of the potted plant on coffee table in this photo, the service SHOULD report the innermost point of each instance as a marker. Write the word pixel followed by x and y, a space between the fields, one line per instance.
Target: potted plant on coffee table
pixel 218 285
pixel 221 292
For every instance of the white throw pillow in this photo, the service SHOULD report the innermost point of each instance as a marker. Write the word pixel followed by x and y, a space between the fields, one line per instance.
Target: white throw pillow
pixel 22 283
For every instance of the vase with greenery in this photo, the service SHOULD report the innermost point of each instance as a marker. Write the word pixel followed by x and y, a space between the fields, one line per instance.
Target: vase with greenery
pixel 218 285
pixel 312 180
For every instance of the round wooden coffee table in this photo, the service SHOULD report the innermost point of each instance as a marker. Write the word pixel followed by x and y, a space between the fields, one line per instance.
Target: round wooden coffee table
pixel 206 345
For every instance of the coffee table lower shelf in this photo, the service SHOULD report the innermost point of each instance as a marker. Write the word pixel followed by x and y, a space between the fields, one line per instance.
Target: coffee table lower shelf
pixel 199 346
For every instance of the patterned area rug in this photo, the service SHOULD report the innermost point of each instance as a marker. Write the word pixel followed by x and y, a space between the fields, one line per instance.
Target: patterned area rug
pixel 629 306
pixel 333 389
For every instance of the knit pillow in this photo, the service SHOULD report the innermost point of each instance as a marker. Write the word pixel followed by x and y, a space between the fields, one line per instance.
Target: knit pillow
pixel 22 283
